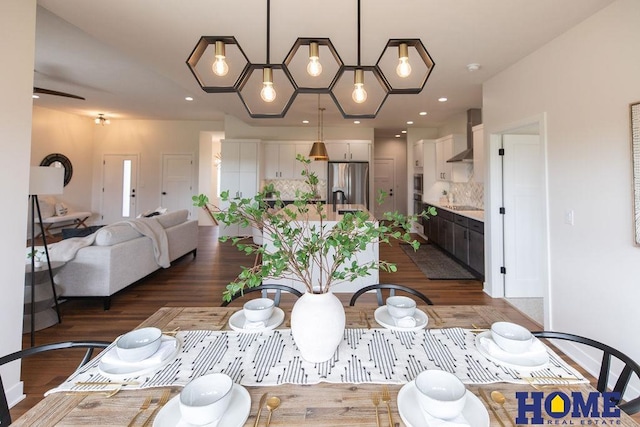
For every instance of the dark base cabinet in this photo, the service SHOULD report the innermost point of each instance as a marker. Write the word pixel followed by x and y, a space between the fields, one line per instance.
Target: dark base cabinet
pixel 460 236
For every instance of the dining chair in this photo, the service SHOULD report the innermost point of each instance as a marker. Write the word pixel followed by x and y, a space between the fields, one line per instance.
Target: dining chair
pixel 392 287
pixel 265 288
pixel 5 415
pixel 630 366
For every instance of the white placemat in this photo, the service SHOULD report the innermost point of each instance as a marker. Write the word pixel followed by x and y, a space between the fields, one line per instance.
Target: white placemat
pixel 364 356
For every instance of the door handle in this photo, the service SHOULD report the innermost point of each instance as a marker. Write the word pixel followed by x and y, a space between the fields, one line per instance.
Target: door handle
pixel 164 193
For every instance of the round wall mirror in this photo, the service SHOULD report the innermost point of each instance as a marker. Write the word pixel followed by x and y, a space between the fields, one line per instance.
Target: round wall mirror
pixel 58 160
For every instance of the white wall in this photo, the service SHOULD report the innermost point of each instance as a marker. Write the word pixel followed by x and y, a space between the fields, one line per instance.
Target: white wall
pixel 17 47
pixel 584 81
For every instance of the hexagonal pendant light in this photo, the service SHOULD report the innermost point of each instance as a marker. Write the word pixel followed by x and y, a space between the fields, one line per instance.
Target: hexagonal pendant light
pixel 314 65
pixel 209 63
pixel 405 65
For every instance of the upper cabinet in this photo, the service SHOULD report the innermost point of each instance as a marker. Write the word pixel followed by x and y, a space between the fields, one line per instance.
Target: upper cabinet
pixel 446 148
pixel 348 151
pixel 279 160
pixel 418 154
pixel 478 153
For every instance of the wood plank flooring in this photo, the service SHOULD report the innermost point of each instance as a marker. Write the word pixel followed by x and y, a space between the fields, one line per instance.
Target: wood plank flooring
pixel 192 282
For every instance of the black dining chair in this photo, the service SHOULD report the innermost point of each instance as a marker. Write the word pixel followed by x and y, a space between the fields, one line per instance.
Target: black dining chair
pixel 630 366
pixel 392 287
pixel 264 289
pixel 5 415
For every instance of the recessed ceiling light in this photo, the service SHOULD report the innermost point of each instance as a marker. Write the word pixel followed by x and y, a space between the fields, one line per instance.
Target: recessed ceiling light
pixel 188 98
pixel 404 131
pixel 306 122
pixel 409 122
pixel 34 96
pixel 423 113
pixel 473 67
pixel 443 99
pixel 398 136
pixel 357 122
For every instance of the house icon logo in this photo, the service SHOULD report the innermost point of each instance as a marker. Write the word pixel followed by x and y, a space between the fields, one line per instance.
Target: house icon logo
pixel 563 408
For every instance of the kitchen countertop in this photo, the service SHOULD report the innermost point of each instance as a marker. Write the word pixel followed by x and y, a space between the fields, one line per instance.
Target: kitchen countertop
pixel 336 216
pixel 478 215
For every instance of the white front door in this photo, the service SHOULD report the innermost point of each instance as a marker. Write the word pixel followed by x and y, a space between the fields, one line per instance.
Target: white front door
pixel 524 218
pixel 177 176
pixel 384 179
pixel 119 184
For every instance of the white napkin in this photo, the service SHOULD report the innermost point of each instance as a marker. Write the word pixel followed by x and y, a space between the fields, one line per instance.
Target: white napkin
pixel 405 322
pixel 459 421
pixel 167 346
pixel 494 349
pixel 254 325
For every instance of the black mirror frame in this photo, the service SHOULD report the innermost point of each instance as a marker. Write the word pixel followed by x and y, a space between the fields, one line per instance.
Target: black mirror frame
pixel 66 163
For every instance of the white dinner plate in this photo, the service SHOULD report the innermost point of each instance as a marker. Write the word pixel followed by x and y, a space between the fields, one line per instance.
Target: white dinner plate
pixel 235 415
pixel 237 321
pixel 536 358
pixel 125 370
pixel 384 319
pixel 409 408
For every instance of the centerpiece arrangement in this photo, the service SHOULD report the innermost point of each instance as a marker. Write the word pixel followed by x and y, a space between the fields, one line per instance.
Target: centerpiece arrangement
pixel 298 240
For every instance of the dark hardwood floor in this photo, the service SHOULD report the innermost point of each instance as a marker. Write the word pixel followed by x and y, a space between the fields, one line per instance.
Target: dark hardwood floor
pixel 192 282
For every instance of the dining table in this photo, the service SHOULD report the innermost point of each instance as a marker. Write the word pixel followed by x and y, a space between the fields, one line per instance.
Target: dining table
pixel 322 398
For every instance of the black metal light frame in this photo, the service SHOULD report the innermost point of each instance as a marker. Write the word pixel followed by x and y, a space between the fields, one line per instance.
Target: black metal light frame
pixel 306 41
pixel 424 55
pixel 199 50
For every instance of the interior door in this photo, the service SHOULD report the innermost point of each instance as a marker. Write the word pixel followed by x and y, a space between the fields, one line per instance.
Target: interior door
pixel 119 184
pixel 524 224
pixel 177 186
pixel 384 179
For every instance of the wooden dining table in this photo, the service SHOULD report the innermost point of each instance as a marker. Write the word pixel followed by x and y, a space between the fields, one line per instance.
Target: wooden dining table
pixel 323 404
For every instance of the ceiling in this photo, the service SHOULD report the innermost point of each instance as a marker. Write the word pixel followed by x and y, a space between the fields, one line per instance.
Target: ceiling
pixel 128 57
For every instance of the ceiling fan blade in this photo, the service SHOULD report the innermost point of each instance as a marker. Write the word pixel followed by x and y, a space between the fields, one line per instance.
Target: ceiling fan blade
pixel 56 93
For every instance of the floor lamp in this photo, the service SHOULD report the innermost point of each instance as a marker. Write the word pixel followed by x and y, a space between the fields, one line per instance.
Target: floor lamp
pixel 42 180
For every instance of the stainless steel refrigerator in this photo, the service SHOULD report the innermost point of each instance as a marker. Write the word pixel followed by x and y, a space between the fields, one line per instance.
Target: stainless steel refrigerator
pixel 348 183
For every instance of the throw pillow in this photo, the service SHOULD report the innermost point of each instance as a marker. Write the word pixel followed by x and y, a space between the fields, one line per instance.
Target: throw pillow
pixel 173 218
pixel 114 234
pixel 61 209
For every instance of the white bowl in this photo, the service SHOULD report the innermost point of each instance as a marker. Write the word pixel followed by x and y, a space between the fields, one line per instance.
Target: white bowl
pixel 510 337
pixel 440 393
pixel 400 306
pixel 259 309
pixel 205 399
pixel 138 344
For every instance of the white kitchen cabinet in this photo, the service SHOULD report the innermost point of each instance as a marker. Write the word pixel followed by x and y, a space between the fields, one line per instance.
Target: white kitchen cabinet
pixel 478 153
pixel 446 148
pixel 418 154
pixel 239 176
pixel 279 161
pixel 349 151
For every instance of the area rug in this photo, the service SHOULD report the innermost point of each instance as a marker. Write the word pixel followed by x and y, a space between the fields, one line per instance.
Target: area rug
pixel 435 264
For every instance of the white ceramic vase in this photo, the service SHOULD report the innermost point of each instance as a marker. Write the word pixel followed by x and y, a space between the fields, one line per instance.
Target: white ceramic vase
pixel 317 325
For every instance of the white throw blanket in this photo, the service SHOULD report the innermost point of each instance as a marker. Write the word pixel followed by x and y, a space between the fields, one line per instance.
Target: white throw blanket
pixel 67 249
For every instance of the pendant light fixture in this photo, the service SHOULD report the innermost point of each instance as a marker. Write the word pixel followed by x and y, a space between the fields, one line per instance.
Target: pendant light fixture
pixel 101 120
pixel 404 68
pixel 314 68
pixel 318 149
pixel 359 94
pixel 219 66
pixel 268 92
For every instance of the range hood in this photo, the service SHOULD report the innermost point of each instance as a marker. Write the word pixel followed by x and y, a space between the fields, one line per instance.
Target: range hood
pixel 474 117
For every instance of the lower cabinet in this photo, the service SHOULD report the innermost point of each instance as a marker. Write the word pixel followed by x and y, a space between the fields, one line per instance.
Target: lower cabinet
pixel 460 236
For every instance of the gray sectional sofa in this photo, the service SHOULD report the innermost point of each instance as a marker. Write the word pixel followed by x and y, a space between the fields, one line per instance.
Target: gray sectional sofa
pixel 119 255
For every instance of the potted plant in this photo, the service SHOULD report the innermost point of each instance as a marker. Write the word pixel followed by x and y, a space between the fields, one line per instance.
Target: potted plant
pixel 36 255
pixel 302 239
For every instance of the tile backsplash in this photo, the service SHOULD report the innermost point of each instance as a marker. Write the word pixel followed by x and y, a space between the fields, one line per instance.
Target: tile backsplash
pixel 468 193
pixel 288 187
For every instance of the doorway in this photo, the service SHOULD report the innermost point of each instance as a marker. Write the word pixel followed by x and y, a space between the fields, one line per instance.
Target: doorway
pixel 384 180
pixel 119 184
pixel 177 182
pixel 519 261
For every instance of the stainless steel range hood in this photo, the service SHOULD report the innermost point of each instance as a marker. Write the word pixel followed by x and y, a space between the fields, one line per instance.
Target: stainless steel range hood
pixel 474 117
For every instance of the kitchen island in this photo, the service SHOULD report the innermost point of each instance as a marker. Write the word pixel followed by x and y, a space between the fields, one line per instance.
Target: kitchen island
pixel 331 217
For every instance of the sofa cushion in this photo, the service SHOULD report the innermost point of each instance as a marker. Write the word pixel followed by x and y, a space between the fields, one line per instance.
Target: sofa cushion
pixel 172 219
pixel 114 234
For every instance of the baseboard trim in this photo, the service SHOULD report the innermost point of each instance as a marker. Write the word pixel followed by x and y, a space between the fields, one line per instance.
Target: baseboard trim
pixel 15 394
